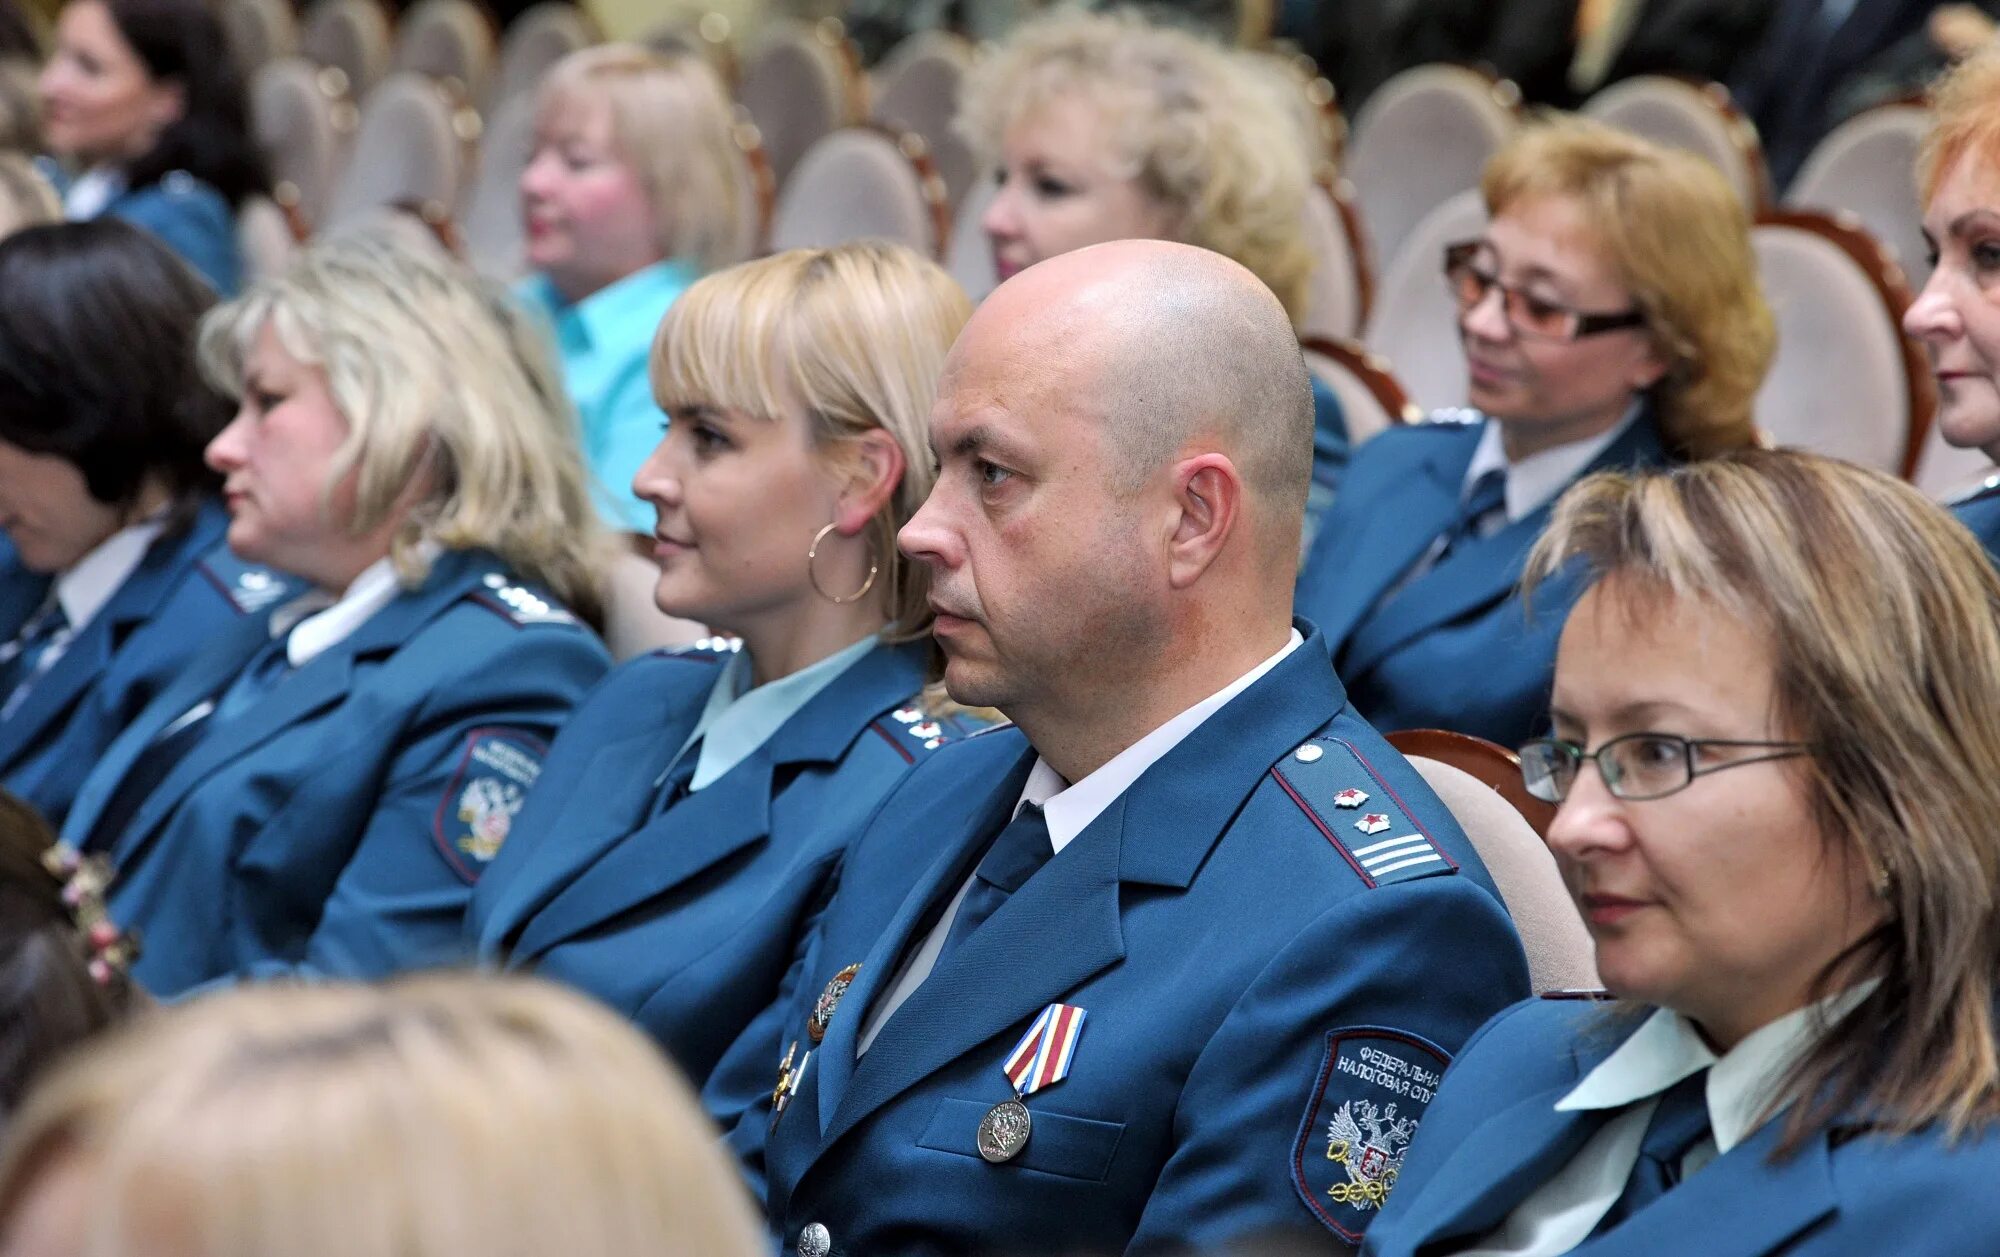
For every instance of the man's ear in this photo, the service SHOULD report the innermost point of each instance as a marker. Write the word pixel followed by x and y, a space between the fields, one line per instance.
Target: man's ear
pixel 871 466
pixel 1209 494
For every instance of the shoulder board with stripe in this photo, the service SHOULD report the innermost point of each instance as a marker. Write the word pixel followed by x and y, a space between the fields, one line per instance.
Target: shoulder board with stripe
pixel 1453 417
pixel 520 603
pixel 1348 802
pixel 1987 488
pixel 248 587
pixel 704 649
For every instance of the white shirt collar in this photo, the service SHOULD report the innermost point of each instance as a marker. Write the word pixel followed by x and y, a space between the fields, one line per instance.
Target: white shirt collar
pixel 1667 1048
pixel 1069 809
pixel 89 583
pixel 319 632
pixel 739 719
pixel 90 192
pixel 1538 478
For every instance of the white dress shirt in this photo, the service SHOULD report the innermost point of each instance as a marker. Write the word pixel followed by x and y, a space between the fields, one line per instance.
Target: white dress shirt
pixel 317 623
pixel 88 584
pixel 1666 1048
pixel 1538 478
pixel 1069 809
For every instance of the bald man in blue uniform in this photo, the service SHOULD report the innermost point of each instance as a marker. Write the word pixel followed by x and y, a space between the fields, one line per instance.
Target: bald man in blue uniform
pixel 1100 980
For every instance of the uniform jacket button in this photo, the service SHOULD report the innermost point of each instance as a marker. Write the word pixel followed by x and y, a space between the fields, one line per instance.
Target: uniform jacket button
pixel 815 1241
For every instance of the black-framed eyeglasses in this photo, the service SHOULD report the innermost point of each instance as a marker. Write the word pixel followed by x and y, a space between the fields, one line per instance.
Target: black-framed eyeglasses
pixel 1637 765
pixel 1470 270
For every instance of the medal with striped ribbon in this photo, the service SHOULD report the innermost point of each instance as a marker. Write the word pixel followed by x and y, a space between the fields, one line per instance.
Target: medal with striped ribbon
pixel 1041 1059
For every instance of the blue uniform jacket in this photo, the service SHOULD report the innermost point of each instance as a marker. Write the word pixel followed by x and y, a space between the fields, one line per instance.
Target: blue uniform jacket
pixel 1330 453
pixel 178 606
pixel 687 921
pixel 21 590
pixel 339 823
pixel 1980 512
pixel 1455 648
pixel 1493 1136
pixel 194 220
pixel 1235 960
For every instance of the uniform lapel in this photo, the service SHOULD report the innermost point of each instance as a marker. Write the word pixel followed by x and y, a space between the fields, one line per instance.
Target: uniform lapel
pixel 918 911
pixel 1353 570
pixel 1741 1205
pixel 137 600
pixel 321 683
pixel 1063 926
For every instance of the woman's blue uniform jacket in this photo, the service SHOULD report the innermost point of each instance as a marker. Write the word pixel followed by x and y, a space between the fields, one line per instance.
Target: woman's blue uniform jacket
pixel 687 920
pixel 338 824
pixel 21 590
pixel 1980 512
pixel 1455 648
pixel 181 604
pixel 186 213
pixel 1493 1136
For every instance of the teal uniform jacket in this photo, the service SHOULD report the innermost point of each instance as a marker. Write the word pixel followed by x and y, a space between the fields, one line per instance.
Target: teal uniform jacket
pixel 1980 512
pixel 339 823
pixel 181 605
pixel 1245 957
pixel 1331 452
pixel 194 221
pixel 1455 648
pixel 1493 1137
pixel 687 919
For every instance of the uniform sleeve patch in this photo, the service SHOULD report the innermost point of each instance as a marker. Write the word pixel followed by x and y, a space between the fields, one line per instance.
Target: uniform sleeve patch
pixel 1360 814
pixel 1373 1088
pixel 484 795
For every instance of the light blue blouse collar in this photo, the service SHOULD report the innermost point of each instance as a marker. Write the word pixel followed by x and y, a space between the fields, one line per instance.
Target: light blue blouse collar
pixel 738 719
pixel 610 313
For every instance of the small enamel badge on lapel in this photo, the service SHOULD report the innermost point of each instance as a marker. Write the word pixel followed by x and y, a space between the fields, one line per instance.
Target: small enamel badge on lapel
pixel 828 1000
pixel 789 1080
pixel 1041 1059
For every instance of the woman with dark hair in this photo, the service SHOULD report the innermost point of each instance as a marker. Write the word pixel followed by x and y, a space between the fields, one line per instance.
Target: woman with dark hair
pixel 141 99
pixel 103 419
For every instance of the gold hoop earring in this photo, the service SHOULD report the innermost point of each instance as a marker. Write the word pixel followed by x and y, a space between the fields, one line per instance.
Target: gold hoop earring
pixel 812 555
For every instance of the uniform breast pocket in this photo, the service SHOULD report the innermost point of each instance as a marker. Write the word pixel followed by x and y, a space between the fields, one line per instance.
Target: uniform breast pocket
pixel 1073 1147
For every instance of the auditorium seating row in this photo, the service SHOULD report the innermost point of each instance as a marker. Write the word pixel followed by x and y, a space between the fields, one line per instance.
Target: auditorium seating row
pixel 435 115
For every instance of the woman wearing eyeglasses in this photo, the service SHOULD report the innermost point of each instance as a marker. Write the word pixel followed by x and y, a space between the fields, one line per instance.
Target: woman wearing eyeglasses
pixel 1611 318
pixel 1777 754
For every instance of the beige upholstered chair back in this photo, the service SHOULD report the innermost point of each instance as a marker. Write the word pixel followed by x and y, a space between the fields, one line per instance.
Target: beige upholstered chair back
pixel 1422 138
pixel 1560 953
pixel 1337 299
pixel 916 89
pixel 1864 167
pixel 305 123
pixel 859 183
pixel 1681 115
pixel 970 258
pixel 449 40
pixel 1371 397
pixel 539 38
pixel 264 236
pixel 354 37
pixel 490 225
pixel 1415 321
pixel 1838 384
pixel 413 149
pixel 798 90
pixel 259 31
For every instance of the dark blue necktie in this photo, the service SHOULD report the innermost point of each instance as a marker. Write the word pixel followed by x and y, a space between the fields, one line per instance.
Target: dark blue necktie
pixel 1489 494
pixel 259 677
pixel 1679 1123
pixel 673 783
pixel 21 660
pixel 1022 847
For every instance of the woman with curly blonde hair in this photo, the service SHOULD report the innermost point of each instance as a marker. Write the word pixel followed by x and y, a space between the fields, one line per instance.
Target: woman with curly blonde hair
pixel 435 1117
pixel 1106 127
pixel 402 446
pixel 1611 318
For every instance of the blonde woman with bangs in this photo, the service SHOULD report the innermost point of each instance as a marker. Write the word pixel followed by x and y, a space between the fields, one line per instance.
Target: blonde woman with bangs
pixel 402 447
pixel 1611 318
pixel 438 1117
pixel 692 814
pixel 1777 760
pixel 1108 127
pixel 630 195
pixel 1957 315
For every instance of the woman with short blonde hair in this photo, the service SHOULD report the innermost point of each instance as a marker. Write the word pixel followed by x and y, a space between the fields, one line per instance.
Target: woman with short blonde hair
pixel 1108 127
pixel 1777 756
pixel 801 386
pixel 430 1118
pixel 634 190
pixel 400 447
pixel 1611 318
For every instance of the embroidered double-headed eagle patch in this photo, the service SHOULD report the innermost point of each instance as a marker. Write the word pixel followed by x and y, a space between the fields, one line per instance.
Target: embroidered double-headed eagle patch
pixel 483 797
pixel 1372 1090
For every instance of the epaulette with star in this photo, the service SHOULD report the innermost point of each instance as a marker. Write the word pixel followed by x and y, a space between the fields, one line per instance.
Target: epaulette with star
pixel 1357 811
